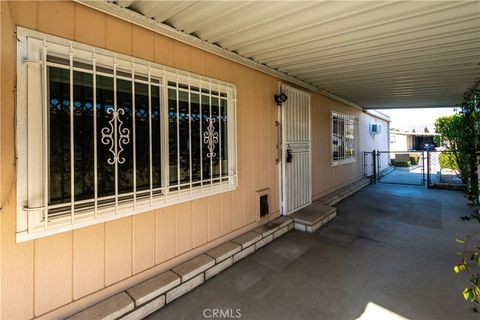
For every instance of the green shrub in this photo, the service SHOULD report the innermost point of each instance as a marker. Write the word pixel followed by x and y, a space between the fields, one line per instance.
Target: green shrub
pixel 447 160
pixel 414 159
pixel 401 163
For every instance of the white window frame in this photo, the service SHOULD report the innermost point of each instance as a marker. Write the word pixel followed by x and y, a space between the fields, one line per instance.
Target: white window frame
pixel 33 220
pixel 347 119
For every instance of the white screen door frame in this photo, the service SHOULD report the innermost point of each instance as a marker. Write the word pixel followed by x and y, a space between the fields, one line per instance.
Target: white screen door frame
pixel 296 177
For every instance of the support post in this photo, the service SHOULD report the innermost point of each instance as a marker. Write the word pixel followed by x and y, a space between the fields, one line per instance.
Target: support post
pixel 428 170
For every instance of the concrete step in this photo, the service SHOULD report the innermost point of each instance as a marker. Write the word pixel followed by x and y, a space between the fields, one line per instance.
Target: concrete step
pixel 313 217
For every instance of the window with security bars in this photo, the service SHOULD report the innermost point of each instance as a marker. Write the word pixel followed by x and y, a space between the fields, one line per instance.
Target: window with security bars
pixel 109 136
pixel 343 138
pixel 197 135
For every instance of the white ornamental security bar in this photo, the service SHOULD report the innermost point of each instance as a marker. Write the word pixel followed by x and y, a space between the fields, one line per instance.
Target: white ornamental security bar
pixel 114 131
pixel 110 134
pixel 210 138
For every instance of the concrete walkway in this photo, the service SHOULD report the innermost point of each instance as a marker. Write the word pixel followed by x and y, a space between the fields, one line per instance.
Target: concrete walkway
pixel 391 250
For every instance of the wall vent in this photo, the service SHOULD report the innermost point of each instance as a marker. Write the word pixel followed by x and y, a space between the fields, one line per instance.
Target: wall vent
pixel 262 204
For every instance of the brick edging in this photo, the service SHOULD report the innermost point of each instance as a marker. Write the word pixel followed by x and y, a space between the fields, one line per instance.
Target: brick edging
pixel 147 297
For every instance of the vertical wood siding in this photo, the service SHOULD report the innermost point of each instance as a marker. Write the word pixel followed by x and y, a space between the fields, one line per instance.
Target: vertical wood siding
pixel 41 275
pixel 45 274
pixel 325 177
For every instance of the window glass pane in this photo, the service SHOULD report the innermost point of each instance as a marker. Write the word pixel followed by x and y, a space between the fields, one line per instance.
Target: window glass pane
pixel 343 137
pixel 335 138
pixel 184 137
pixel 196 137
pixel 83 136
pixel 124 136
pixel 106 172
pixel 156 158
pixel 59 97
pixel 172 135
pixel 350 139
pixel 205 122
pixel 215 156
pixel 196 121
pixel 142 144
pixel 224 136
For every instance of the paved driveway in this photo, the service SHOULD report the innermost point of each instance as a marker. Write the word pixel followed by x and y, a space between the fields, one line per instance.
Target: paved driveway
pixel 390 250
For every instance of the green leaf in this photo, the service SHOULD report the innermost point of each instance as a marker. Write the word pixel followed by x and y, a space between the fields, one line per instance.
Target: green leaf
pixel 459 267
pixel 460 241
pixel 476 258
pixel 466 293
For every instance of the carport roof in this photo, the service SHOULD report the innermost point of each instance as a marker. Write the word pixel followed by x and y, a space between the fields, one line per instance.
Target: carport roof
pixel 373 54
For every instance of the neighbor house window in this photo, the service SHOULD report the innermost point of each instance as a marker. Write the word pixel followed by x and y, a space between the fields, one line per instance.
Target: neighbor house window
pixel 343 138
pixel 102 135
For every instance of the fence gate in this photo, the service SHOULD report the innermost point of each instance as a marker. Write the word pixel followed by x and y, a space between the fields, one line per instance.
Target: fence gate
pixel 397 167
pixel 435 169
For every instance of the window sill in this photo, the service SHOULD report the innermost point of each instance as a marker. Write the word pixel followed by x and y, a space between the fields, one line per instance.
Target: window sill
pixel 341 162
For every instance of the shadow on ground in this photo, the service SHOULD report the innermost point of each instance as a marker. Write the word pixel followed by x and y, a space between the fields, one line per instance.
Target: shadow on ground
pixel 390 245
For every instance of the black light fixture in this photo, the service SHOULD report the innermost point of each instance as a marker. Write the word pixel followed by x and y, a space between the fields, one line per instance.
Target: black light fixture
pixel 280 98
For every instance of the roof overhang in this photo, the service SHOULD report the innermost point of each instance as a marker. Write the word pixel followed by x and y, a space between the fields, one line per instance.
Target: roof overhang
pixel 166 30
pixel 367 54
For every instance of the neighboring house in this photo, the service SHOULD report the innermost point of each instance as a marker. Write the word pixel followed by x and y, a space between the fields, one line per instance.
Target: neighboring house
pixel 410 141
pixel 125 152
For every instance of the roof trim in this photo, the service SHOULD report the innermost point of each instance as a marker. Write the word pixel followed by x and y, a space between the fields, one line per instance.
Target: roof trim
pixel 414 133
pixel 378 114
pixel 138 19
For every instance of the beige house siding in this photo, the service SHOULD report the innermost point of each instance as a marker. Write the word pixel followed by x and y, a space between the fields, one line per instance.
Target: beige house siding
pixel 59 275
pixel 325 177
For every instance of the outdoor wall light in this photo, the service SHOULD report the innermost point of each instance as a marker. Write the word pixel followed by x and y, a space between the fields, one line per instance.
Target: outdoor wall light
pixel 280 98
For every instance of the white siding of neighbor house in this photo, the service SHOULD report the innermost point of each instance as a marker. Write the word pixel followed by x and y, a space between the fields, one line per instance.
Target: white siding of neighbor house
pixel 400 142
pixel 370 142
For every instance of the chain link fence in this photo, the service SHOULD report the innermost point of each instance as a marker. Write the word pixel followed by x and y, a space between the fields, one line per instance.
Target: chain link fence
pixel 443 171
pixel 436 169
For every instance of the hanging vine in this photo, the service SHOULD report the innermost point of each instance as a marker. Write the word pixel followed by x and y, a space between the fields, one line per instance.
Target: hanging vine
pixel 468 148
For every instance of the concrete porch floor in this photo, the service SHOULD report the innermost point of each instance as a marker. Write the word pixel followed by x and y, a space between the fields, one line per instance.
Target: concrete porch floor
pixel 390 245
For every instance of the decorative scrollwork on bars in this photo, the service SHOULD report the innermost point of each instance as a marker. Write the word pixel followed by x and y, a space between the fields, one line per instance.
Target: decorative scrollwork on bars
pixel 210 137
pixel 108 136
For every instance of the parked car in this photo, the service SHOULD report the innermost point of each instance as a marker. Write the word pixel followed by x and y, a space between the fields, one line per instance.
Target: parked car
pixel 428 147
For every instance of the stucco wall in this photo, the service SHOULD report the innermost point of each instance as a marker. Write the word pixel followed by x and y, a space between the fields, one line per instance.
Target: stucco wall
pixel 59 275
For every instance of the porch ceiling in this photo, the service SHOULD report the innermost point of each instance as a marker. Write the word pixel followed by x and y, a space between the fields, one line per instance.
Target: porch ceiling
pixel 374 54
